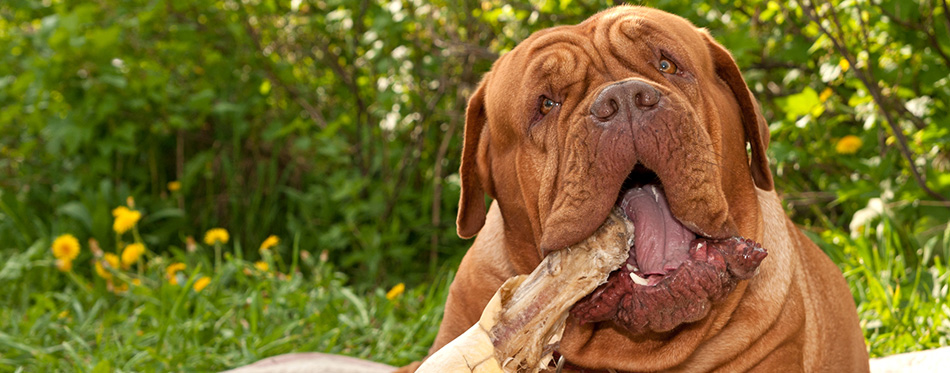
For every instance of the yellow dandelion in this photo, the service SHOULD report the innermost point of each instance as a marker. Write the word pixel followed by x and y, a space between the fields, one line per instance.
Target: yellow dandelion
pixel 825 94
pixel 65 247
pixel 102 271
pixel 261 266
pixel 121 210
pixel 396 291
pixel 216 235
pixel 63 315
pixel 121 289
pixel 136 282
pixel 130 201
pixel 125 219
pixel 174 186
pixel 131 254
pixel 201 283
pixel 845 65
pixel 270 242
pixel 64 265
pixel 109 260
pixel 848 144
pixel 172 272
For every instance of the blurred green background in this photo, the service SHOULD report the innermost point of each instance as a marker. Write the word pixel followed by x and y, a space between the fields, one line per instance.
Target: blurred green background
pixel 336 126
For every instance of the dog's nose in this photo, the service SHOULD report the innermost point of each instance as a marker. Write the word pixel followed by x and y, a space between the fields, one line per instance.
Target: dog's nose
pixel 626 99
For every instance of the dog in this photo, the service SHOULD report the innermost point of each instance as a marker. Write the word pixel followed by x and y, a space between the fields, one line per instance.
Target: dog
pixel 640 109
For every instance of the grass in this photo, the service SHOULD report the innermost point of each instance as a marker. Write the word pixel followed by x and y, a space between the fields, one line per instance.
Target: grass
pixel 293 300
pixel 65 321
pixel 900 285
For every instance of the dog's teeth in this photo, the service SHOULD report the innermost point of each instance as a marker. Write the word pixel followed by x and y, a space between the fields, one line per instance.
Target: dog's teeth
pixel 631 268
pixel 638 280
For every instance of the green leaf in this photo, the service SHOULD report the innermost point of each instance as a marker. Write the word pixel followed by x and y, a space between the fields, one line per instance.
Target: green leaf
pixel 265 87
pixel 78 211
pixel 801 103
pixel 103 366
pixel 18 263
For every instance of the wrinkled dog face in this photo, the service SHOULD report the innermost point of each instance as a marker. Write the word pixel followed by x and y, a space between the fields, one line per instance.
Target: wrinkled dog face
pixel 633 108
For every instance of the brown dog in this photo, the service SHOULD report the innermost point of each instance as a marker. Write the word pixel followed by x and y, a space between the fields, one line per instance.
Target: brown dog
pixel 639 108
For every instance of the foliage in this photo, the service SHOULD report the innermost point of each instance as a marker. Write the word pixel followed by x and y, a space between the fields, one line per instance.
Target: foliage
pixel 336 125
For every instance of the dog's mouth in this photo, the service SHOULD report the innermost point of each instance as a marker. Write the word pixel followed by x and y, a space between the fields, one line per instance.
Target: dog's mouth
pixel 672 275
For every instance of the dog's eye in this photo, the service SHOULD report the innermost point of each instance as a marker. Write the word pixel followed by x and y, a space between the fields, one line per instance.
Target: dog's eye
pixel 546 105
pixel 668 66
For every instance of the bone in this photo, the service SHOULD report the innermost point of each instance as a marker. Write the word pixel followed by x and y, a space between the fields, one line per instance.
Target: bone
pixel 533 313
pixel 523 323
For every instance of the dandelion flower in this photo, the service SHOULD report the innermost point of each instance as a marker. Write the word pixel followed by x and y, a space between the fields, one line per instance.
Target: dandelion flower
pixel 131 254
pixel 109 260
pixel 172 272
pixel 270 242
pixel 848 144
pixel 174 186
pixel 130 201
pixel 396 291
pixel 825 94
pixel 121 289
pixel 66 247
pixel 64 265
pixel 102 271
pixel 216 235
pixel 201 283
pixel 121 210
pixel 125 219
pixel 262 266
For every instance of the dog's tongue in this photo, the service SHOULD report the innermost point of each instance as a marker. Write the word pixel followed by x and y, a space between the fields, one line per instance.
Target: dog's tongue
pixel 661 243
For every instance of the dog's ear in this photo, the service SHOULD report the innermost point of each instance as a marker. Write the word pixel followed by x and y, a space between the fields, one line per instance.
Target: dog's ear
pixel 474 171
pixel 756 128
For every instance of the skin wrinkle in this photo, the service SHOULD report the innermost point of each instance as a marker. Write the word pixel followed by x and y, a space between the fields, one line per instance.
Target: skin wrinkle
pixel 562 43
pixel 674 144
pixel 638 36
pixel 526 196
pixel 574 165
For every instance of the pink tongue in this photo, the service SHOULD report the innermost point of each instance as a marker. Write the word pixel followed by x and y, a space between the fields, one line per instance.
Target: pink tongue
pixel 660 241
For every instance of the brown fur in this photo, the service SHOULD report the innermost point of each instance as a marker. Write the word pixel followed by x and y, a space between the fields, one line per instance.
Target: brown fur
pixel 555 180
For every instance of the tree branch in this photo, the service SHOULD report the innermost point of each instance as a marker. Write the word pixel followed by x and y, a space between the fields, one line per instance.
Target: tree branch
pixel 931 34
pixel 876 94
pixel 946 14
pixel 294 93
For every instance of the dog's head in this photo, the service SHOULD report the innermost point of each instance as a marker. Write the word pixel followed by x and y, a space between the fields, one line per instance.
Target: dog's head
pixel 635 108
pixel 632 96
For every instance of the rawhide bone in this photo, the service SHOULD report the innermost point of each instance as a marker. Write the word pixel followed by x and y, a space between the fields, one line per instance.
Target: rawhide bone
pixel 523 323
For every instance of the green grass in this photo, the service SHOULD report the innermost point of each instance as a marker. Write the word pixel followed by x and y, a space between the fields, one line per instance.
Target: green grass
pixel 55 321
pixel 65 321
pixel 900 285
